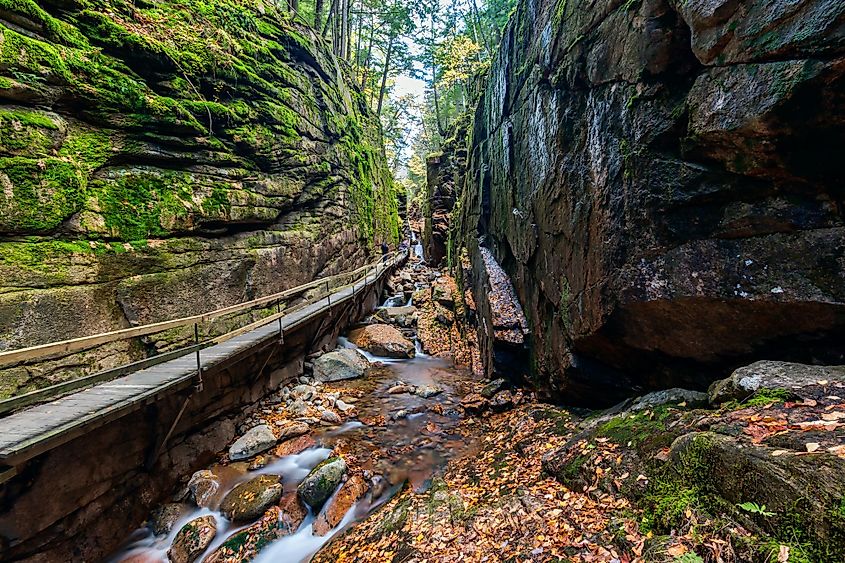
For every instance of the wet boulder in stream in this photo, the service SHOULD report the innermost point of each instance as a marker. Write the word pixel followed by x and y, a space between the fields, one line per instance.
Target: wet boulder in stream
pixel 249 500
pixel 339 504
pixel 256 440
pixel 244 545
pixel 322 482
pixel 192 540
pixel 339 365
pixel 383 340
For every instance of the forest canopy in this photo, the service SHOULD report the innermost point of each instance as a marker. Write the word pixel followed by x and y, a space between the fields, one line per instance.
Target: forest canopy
pixel 446 45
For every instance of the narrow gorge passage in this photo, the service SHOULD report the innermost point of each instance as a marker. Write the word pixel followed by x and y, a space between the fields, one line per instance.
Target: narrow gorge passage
pixel 370 281
pixel 394 424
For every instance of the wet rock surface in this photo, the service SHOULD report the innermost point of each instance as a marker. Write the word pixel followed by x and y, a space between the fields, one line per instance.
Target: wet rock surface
pixel 340 365
pixel 339 504
pixel 192 540
pixel 249 500
pixel 256 440
pixel 383 340
pixel 322 482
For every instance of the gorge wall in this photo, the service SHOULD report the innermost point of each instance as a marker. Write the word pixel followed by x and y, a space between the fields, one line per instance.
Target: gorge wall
pixel 159 159
pixel 662 182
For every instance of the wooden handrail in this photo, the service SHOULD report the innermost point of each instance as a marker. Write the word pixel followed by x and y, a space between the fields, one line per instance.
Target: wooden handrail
pixel 65 387
pixel 43 351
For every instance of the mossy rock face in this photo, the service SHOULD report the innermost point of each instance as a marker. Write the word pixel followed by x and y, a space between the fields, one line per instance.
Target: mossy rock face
pixel 139 142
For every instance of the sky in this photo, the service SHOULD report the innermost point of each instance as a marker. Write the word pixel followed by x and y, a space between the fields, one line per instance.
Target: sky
pixel 406 84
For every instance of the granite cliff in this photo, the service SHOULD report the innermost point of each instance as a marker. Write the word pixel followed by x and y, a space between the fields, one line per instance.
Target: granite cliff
pixel 159 159
pixel 661 182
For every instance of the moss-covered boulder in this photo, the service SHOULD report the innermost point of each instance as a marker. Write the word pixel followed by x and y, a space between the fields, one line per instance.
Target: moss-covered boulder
pixel 249 500
pixel 758 473
pixel 322 482
pixel 147 149
pixel 192 539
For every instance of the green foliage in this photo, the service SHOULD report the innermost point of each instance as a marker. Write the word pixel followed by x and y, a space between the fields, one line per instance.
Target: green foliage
pixel 767 396
pixel 755 508
pixel 689 557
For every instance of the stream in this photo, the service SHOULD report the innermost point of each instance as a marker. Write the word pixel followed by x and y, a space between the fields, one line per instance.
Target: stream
pixel 396 438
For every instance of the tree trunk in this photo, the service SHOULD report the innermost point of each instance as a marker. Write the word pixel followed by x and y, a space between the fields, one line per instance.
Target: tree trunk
pixel 480 32
pixel 440 128
pixel 293 6
pixel 358 30
pixel 318 15
pixel 384 74
pixel 344 28
pixel 366 71
pixel 329 19
pixel 350 4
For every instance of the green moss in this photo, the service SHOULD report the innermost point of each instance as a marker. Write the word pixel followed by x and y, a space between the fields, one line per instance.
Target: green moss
pixel 53 28
pixel 572 469
pixel 30 58
pixel 635 428
pixel 677 488
pixel 218 202
pixel 45 192
pixel 89 149
pixel 767 396
pixel 140 206
pixel 25 132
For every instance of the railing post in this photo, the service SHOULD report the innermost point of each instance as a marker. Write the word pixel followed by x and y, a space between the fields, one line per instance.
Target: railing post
pixel 279 312
pixel 198 385
pixel 328 293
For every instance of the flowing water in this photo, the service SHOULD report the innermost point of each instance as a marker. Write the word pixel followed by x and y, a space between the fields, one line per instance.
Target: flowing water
pixel 396 439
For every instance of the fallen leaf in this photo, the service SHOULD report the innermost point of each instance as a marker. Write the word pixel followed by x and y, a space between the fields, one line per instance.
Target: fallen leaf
pixel 812 446
pixel 676 550
pixel 783 554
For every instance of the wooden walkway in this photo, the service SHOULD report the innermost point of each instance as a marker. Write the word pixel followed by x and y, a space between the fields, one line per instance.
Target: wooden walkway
pixel 33 431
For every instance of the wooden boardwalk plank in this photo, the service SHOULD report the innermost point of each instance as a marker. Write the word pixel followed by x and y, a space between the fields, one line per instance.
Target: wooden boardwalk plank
pixel 38 428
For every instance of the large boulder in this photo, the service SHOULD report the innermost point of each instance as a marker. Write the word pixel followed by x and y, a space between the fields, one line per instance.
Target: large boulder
pixel 383 340
pixel 339 504
pixel 345 363
pixel 256 440
pixel 192 539
pixel 249 500
pixel 772 462
pixel 319 485
pixel 747 380
pixel 661 182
